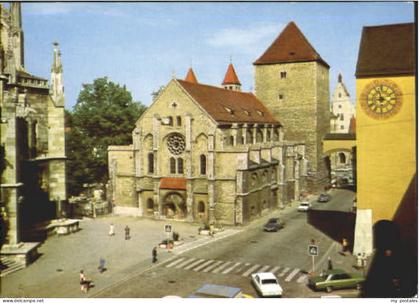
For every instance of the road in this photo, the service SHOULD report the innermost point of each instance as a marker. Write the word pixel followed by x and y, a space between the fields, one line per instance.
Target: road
pixel 231 261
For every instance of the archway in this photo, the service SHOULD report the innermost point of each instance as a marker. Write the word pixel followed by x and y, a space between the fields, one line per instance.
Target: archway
pixel 174 206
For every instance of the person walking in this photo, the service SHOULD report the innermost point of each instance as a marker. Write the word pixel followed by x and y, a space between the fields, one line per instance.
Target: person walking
pixel 330 264
pixel 345 245
pixel 111 229
pixel 101 266
pixel 84 283
pixel 154 254
pixel 127 232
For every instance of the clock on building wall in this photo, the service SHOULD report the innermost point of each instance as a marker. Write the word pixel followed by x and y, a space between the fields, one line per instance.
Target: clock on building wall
pixel 381 99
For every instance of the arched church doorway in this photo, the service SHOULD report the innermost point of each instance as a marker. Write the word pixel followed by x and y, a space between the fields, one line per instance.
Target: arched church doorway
pixel 174 206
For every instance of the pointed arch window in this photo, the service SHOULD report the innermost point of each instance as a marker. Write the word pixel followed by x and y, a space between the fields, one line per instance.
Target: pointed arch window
pixel 172 164
pixel 151 165
pixel 203 165
pixel 180 166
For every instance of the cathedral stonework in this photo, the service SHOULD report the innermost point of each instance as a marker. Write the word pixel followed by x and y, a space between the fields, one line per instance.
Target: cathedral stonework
pixel 33 181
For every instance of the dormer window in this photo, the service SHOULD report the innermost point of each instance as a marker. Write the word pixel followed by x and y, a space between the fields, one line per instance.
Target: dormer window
pixel 260 113
pixel 247 113
pixel 229 110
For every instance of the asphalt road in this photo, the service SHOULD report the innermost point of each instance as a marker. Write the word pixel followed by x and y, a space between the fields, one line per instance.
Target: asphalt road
pixel 232 260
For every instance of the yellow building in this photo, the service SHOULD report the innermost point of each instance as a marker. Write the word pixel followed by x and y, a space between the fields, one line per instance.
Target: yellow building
pixel 386 142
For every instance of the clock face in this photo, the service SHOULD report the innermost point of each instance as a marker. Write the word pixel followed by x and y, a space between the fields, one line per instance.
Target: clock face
pixel 381 99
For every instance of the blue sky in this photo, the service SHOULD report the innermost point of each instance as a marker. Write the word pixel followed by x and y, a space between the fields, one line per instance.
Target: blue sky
pixel 142 45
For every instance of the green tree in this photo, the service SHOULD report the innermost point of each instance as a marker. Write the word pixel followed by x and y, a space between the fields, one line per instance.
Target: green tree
pixel 104 115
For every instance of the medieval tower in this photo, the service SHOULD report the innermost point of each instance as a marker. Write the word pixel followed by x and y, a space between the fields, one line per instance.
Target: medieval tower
pixel 292 80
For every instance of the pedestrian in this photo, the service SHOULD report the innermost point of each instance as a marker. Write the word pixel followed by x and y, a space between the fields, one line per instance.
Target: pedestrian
pixel 359 261
pixel 111 229
pixel 345 245
pixel 84 283
pixel 127 232
pixel 154 254
pixel 101 266
pixel 330 265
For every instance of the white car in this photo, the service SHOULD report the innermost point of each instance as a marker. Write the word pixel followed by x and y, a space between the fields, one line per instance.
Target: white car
pixel 266 284
pixel 304 206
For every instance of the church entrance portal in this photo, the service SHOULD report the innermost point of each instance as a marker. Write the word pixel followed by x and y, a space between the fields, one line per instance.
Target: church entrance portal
pixel 174 206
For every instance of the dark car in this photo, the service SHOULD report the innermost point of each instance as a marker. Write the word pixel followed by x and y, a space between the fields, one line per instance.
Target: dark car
pixel 324 198
pixel 336 279
pixel 273 224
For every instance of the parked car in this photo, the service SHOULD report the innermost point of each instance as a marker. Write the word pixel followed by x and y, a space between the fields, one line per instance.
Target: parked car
pixel 336 279
pixel 273 224
pixel 266 284
pixel 324 198
pixel 218 291
pixel 304 206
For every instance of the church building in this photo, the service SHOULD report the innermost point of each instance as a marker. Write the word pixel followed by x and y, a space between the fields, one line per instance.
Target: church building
pixel 32 147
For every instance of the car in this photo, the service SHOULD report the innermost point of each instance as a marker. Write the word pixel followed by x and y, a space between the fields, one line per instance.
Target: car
pixel 273 224
pixel 336 279
pixel 218 291
pixel 324 198
pixel 304 206
pixel 266 284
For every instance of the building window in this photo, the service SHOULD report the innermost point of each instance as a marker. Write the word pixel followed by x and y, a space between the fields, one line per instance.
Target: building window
pixel 151 165
pixel 268 135
pixel 339 95
pixel 276 136
pixel 341 117
pixel 201 207
pixel 231 140
pixel 172 164
pixel 180 166
pixel 170 121
pixel 203 165
pixel 178 120
pixel 342 127
pixel 242 140
pixel 339 106
pixel 342 157
pixel 249 137
pixel 149 205
pixel 259 136
pixel 280 97
pixel 283 75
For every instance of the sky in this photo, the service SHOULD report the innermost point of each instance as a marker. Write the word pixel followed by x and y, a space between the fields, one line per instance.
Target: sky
pixel 144 45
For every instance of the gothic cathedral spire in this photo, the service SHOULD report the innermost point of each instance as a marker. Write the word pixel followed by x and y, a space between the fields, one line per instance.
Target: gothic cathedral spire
pixel 16 35
pixel 57 85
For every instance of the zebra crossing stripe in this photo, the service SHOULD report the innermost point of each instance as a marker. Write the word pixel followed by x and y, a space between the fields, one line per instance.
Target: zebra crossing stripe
pixel 221 267
pixel 292 274
pixel 302 278
pixel 194 264
pixel 276 268
pixel 242 267
pixel 226 271
pixel 264 268
pixel 203 265
pixel 284 272
pixel 175 262
pixel 213 266
pixel 185 263
pixel 250 270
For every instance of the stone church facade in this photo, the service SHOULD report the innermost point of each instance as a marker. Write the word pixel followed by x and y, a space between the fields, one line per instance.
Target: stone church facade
pixel 206 154
pixel 33 181
pixel 215 154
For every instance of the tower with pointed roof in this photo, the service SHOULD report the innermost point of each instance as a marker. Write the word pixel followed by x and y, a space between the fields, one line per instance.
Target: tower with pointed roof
pixel 190 77
pixel 341 107
pixel 292 80
pixel 231 80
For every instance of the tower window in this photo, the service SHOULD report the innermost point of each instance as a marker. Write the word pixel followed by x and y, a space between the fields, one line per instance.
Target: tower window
pixel 283 75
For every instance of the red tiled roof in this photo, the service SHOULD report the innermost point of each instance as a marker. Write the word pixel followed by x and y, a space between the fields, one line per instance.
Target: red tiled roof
pixel 190 77
pixel 228 106
pixel 231 77
pixel 290 46
pixel 387 50
pixel 173 183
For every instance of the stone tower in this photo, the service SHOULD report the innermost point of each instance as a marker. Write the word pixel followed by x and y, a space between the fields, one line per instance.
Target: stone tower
pixel 292 80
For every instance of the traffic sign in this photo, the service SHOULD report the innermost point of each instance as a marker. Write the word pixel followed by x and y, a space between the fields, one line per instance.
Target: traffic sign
pixel 313 250
pixel 168 228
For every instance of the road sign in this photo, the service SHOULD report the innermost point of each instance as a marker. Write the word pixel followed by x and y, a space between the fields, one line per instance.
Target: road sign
pixel 313 250
pixel 168 228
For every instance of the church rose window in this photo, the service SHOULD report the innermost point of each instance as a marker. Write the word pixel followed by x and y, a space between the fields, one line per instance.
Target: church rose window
pixel 176 144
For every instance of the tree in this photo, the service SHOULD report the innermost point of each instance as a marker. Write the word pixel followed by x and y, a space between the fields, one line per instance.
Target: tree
pixel 104 115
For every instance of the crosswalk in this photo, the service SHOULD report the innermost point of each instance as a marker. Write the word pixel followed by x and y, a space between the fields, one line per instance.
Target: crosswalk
pixel 288 274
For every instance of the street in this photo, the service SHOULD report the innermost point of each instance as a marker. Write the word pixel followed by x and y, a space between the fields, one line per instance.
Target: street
pixel 231 261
